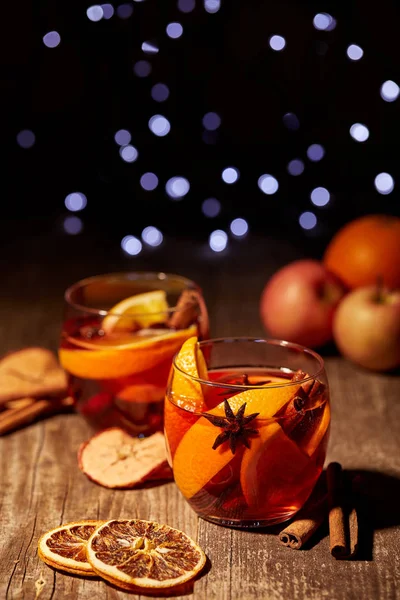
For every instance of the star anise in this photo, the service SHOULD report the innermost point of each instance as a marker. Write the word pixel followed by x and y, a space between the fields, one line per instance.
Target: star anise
pixel 235 427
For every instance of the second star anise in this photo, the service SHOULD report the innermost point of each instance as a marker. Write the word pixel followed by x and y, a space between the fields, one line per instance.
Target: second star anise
pixel 235 427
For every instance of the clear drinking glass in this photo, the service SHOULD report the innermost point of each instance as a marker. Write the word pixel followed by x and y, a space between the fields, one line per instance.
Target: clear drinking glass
pixel 248 443
pixel 120 333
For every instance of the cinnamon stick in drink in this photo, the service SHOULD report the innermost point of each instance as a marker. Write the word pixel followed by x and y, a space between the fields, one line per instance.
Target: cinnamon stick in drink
pixel 343 521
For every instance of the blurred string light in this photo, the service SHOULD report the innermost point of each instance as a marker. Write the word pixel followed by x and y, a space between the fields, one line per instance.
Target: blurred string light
pixel 174 30
pixel 291 121
pixel 324 22
pixel 159 92
pixel 390 91
pixel 239 227
pixel 355 52
pixel 149 181
pixel 211 207
pixel 51 39
pixel 186 6
pixel 268 184
pixel 108 10
pixel 142 68
pixel 320 196
pixel 211 121
pixel 122 137
pixel 295 167
pixel 150 48
pixel 152 236
pixel 73 225
pixel 95 13
pixel 26 138
pixel 212 6
pixel 230 175
pixel 128 153
pixel 177 187
pixel 307 220
pixel 315 152
pixel 131 245
pixel 359 132
pixel 384 183
pixel 277 42
pixel 75 201
pixel 124 11
pixel 159 125
pixel 218 240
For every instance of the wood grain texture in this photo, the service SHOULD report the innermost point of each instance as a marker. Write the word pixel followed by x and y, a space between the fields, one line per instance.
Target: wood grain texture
pixel 42 487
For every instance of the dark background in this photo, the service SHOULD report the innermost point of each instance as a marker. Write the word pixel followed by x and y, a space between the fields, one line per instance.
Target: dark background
pixel 76 96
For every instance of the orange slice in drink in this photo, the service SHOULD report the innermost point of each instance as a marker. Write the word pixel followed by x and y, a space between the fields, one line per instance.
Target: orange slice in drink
pixel 142 310
pixel 138 555
pixel 64 547
pixel 123 360
pixel 196 462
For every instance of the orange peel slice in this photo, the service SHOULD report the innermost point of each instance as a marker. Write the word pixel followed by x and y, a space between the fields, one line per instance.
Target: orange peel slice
pixel 137 554
pixel 142 309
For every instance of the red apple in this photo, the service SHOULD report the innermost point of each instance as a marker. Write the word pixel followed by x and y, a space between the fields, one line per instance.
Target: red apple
pixel 366 328
pixel 299 301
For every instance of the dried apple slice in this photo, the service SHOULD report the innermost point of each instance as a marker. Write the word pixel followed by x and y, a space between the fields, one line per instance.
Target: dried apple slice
pixel 114 459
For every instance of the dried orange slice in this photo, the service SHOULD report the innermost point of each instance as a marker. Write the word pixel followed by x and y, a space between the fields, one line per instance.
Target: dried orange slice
pixel 65 547
pixel 96 362
pixel 114 459
pixel 136 554
pixel 142 309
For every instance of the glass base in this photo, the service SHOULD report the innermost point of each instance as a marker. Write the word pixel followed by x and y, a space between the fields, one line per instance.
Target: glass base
pixel 274 519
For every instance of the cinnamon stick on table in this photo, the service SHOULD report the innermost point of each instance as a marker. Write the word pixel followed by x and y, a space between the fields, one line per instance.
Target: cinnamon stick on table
pixel 30 409
pixel 343 521
pixel 304 525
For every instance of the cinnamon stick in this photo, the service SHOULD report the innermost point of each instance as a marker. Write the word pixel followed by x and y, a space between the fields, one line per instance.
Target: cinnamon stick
pixel 12 418
pixel 343 521
pixel 304 525
pixel 186 310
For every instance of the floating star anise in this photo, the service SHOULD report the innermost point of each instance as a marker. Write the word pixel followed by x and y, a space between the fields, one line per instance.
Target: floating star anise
pixel 235 427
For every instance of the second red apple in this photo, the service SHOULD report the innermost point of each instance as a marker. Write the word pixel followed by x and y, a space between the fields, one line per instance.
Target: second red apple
pixel 299 301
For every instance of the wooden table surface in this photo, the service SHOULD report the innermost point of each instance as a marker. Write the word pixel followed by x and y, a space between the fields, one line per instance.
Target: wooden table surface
pixel 42 487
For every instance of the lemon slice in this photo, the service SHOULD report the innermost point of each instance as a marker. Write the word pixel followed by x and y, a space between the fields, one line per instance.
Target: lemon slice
pixel 143 310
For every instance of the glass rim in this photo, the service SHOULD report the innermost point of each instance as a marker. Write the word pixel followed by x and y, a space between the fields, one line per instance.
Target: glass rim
pixel 151 275
pixel 268 341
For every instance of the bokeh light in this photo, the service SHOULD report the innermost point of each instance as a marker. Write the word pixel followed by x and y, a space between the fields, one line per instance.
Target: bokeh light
pixel 52 39
pixel 390 91
pixel 124 11
pixel 108 11
pixel 177 187
pixel 142 68
pixel 230 175
pixel 239 227
pixel 159 125
pixel 174 30
pixel 320 196
pixel 268 184
pixel 324 22
pixel 277 42
pixel 95 13
pixel 75 201
pixel 128 153
pixel 359 132
pixel 211 121
pixel 73 225
pixel 212 6
pixel 295 167
pixel 307 220
pixel 186 6
pixel 122 137
pixel 159 92
pixel 384 183
pixel 131 245
pixel 149 181
pixel 315 152
pixel 150 48
pixel 218 240
pixel 152 236
pixel 291 121
pixel 26 138
pixel 355 52
pixel 211 207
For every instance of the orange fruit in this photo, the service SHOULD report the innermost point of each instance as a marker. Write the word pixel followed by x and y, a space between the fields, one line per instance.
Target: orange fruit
pixel 196 462
pixel 137 555
pixel 364 250
pixel 65 547
pixel 122 360
pixel 142 309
